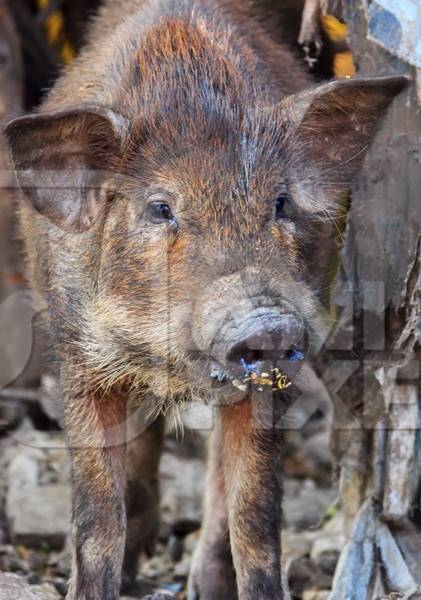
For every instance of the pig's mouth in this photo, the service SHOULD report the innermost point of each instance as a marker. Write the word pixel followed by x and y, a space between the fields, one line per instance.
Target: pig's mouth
pixel 259 373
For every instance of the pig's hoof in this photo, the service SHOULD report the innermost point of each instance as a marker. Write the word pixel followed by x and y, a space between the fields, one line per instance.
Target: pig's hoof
pixel 128 581
pixel 213 580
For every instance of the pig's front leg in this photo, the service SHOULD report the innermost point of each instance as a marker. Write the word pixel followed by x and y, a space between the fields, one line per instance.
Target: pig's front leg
pixel 142 498
pixel 95 435
pixel 212 574
pixel 252 472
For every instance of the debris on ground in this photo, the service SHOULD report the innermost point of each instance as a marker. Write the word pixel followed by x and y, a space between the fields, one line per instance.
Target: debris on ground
pixel 35 509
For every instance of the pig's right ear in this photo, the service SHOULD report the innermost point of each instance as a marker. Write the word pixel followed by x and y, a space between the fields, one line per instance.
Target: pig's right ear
pixel 62 160
pixel 333 125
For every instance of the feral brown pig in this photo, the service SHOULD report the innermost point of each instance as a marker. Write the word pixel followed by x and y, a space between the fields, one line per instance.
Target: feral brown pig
pixel 180 182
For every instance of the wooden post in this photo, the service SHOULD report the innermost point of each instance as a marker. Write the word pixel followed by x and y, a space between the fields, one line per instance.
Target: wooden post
pixel 378 308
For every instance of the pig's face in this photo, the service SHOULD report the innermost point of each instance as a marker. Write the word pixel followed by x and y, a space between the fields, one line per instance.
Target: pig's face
pixel 209 237
pixel 212 236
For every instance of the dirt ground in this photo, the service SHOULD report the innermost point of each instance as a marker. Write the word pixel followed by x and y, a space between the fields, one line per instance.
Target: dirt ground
pixel 35 507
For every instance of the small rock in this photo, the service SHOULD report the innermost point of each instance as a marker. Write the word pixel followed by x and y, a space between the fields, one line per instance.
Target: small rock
pixel 326 550
pixel 327 542
pixel 182 568
pixel 14 587
pixel 190 541
pixel 7 554
pixel 316 449
pixel 316 595
pixel 46 518
pixel 38 497
pixel 296 545
pixel 304 574
pixel 11 561
pixel 328 562
pixel 23 469
pixel 33 579
pixel 305 504
pixel 36 561
pixel 46 591
pixel 182 483
pixel 159 565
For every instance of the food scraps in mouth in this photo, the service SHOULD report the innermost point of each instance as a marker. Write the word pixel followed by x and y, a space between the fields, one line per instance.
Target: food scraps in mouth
pixel 277 379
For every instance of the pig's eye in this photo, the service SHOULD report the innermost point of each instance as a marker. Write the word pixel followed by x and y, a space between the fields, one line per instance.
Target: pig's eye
pixel 159 212
pixel 282 207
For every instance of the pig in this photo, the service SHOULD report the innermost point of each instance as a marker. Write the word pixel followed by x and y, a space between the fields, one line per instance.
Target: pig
pixel 180 184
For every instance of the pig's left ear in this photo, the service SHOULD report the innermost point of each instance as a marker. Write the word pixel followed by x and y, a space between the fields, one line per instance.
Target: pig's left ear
pixel 62 160
pixel 332 126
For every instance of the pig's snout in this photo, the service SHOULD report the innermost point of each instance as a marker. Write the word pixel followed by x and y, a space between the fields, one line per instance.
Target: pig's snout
pixel 241 327
pixel 262 341
pixel 276 338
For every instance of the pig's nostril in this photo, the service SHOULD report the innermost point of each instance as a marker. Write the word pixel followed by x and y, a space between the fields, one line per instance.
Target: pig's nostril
pixel 294 355
pixel 269 340
pixel 242 355
pixel 250 359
